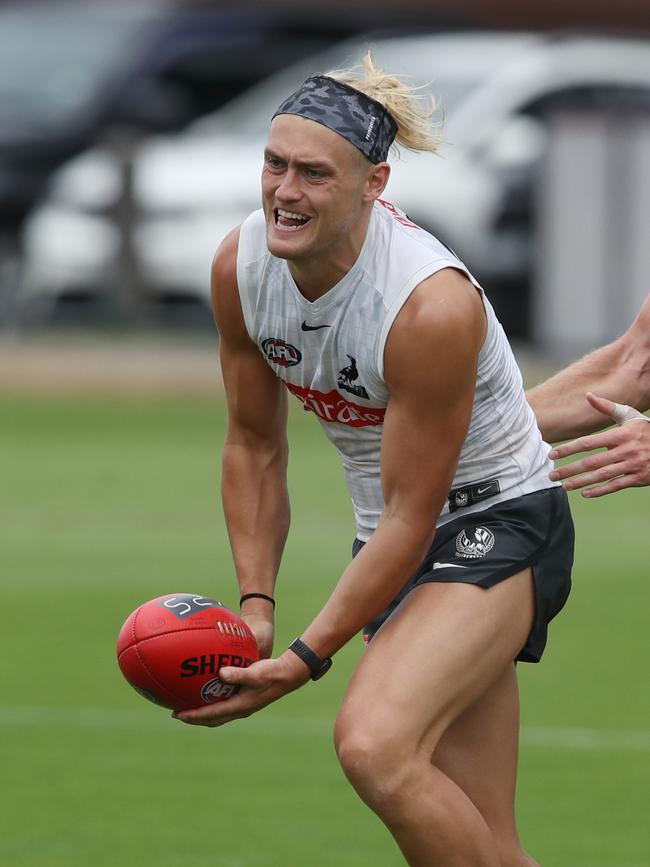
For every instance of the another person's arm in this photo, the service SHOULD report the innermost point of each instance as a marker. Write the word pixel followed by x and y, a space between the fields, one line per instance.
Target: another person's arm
pixel 618 372
pixel 254 477
pixel 582 399
pixel 425 425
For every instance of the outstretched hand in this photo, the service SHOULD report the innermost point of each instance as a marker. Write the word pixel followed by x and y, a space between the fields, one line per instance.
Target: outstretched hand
pixel 260 684
pixel 624 464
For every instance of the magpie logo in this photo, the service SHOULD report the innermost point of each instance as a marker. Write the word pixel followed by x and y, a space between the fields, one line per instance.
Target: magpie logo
pixel 347 378
pixel 478 546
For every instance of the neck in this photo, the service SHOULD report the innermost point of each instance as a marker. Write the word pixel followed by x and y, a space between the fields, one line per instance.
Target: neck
pixel 316 275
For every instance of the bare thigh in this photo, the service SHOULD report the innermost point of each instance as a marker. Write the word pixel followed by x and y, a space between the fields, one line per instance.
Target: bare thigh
pixel 441 650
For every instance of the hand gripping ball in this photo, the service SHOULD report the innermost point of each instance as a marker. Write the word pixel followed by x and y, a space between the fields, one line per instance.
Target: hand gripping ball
pixel 171 649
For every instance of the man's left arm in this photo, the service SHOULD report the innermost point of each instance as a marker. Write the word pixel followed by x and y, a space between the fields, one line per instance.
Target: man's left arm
pixel 431 359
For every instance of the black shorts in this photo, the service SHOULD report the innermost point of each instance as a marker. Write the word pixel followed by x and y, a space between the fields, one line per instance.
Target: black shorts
pixel 489 546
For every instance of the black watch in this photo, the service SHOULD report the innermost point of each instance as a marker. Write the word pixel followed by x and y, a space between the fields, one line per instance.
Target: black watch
pixel 316 664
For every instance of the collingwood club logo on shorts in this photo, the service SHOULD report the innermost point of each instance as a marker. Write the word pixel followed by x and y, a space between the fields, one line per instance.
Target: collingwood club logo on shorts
pixel 347 378
pixel 478 546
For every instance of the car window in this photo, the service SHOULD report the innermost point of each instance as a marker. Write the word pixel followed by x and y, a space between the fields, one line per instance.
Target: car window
pixel 50 64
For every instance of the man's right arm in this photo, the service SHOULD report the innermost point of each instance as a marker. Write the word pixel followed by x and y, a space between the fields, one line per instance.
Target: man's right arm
pixel 254 478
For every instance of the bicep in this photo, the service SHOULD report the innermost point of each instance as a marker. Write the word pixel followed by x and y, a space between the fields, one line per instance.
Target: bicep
pixel 431 362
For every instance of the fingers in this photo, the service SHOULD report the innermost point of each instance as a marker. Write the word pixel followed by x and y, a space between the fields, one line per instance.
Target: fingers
pixel 245 676
pixel 588 464
pixel 607 407
pixel 260 684
pixel 617 484
pixel 618 412
pixel 607 439
pixel 238 706
pixel 625 463
pixel 580 479
pixel 215 715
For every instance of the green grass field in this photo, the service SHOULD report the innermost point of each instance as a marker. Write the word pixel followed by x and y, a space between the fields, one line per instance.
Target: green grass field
pixel 106 503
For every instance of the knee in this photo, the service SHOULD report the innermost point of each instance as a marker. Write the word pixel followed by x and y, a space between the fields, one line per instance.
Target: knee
pixel 376 764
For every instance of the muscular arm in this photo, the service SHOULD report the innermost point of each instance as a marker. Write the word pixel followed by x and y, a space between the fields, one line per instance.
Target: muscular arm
pixel 430 367
pixel 254 485
pixel 619 372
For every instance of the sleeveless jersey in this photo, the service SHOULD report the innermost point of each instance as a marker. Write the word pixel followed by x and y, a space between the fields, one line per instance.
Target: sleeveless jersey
pixel 330 355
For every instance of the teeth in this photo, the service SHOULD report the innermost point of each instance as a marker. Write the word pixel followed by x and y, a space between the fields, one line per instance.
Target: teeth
pixel 289 215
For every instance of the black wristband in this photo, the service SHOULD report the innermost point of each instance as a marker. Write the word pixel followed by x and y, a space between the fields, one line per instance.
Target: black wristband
pixel 316 664
pixel 257 596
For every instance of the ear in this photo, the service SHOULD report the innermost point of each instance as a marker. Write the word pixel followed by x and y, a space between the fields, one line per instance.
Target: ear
pixel 376 181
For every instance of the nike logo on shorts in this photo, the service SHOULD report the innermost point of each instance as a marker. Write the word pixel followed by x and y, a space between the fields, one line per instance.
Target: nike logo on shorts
pixel 448 566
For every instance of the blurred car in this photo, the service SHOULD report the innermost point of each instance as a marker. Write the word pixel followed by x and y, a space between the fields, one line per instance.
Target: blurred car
pixel 71 70
pixel 496 92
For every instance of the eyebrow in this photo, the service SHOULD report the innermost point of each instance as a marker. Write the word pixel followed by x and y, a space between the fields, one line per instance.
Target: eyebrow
pixel 303 164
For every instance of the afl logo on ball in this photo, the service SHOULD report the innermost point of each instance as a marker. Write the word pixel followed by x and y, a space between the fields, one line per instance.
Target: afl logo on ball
pixel 279 352
pixel 216 689
pixel 478 546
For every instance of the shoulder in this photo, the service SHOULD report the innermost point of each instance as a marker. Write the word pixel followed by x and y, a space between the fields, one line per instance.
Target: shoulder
pixel 226 305
pixel 445 305
pixel 224 262
pixel 441 325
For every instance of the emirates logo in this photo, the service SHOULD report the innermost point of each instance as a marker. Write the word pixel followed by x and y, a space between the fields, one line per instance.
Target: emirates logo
pixel 333 407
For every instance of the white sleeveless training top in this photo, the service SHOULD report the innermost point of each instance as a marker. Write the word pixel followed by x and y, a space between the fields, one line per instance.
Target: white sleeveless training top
pixel 330 355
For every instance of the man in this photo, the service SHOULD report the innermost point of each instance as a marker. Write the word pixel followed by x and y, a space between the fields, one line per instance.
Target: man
pixel 332 294
pixel 620 371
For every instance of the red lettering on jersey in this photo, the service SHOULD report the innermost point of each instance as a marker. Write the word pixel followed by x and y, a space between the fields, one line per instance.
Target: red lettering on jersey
pixel 333 407
pixel 399 216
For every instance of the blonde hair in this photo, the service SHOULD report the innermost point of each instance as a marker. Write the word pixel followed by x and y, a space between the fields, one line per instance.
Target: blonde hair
pixel 412 109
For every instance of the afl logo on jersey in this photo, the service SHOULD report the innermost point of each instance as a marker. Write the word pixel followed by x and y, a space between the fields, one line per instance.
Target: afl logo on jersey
pixel 279 352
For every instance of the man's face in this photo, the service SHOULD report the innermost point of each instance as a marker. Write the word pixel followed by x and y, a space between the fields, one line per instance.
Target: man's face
pixel 313 184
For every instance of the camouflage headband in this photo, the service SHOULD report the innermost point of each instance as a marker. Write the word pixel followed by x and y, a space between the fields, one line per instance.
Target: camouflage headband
pixel 363 121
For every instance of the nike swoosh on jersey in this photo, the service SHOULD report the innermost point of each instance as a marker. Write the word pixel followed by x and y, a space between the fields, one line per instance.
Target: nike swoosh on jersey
pixel 305 327
pixel 448 566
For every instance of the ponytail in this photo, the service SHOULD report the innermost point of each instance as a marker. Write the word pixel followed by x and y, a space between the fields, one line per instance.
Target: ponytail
pixel 412 110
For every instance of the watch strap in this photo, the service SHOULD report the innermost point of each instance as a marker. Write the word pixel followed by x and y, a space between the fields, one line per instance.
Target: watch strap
pixel 317 665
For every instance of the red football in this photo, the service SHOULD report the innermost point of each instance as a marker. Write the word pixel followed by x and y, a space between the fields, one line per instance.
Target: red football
pixel 171 649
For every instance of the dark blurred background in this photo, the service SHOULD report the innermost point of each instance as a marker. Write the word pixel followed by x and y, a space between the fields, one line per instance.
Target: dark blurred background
pixel 131 136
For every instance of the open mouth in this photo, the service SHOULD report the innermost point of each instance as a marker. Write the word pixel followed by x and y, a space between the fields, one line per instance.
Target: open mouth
pixel 289 221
